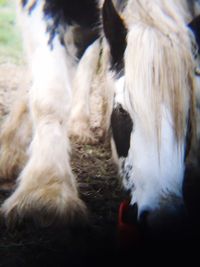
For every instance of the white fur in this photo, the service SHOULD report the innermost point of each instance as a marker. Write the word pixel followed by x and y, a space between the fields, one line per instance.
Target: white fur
pixel 46 181
pixel 119 97
pixel 155 174
pixel 156 74
pixel 79 122
pixel 155 171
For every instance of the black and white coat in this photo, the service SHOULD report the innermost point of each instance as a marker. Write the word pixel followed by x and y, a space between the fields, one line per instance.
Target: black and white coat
pixel 80 59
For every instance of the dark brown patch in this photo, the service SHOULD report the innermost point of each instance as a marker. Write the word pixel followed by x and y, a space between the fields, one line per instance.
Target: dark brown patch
pixel 122 126
pixel 194 25
pixel 115 32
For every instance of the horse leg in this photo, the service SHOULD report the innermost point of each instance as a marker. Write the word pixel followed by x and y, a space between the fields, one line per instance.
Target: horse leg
pixel 47 190
pixel 15 137
pixel 79 122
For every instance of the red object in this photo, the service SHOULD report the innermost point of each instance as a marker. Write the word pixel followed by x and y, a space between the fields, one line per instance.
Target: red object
pixel 128 232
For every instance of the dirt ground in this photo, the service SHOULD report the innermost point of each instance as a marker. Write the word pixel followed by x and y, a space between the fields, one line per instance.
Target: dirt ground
pixel 97 242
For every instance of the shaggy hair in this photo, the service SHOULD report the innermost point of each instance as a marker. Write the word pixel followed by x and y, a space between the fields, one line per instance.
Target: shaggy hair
pixel 158 33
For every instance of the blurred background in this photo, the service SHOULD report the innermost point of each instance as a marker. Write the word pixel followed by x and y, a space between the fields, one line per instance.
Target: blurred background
pixel 10 41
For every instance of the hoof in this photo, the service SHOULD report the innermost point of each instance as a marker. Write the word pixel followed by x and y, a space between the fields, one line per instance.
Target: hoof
pixel 44 208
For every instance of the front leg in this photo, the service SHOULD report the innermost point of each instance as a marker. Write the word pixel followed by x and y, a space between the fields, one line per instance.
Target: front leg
pixel 47 189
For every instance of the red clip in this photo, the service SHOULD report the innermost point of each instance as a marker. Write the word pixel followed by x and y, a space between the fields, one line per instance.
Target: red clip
pixel 128 233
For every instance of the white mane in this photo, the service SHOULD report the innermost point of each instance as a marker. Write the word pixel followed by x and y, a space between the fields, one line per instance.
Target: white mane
pixel 158 92
pixel 158 63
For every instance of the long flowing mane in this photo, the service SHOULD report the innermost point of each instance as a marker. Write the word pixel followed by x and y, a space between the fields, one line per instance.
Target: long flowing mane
pixel 159 64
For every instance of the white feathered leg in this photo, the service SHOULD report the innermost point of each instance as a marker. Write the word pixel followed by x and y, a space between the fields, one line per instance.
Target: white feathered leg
pixel 15 136
pixel 92 97
pixel 79 122
pixel 47 189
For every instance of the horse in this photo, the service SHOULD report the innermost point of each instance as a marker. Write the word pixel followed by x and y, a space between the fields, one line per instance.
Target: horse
pixel 155 138
pixel 133 63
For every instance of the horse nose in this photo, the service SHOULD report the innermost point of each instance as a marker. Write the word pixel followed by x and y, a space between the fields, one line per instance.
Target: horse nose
pixel 165 222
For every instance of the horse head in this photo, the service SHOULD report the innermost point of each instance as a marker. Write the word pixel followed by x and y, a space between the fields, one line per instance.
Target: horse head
pixel 153 119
